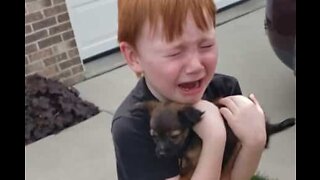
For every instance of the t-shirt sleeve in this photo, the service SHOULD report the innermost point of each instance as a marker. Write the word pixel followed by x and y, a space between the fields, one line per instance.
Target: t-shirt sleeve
pixel 135 154
pixel 235 90
pixel 223 86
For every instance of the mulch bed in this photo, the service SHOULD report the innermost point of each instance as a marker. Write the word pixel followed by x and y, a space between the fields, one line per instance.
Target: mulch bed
pixel 50 107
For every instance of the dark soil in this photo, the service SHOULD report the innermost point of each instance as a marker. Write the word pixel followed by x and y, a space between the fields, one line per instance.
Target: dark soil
pixel 50 107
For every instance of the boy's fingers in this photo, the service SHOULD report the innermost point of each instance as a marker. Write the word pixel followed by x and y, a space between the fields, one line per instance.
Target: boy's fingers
pixel 226 113
pixel 229 103
pixel 253 98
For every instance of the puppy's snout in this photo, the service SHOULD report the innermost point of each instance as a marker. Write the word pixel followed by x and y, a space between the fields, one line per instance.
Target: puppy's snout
pixel 162 150
pixel 162 153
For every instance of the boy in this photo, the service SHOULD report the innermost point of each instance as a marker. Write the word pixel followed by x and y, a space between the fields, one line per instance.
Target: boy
pixel 172 44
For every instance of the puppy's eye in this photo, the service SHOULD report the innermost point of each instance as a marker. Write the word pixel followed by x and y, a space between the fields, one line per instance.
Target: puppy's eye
pixel 153 133
pixel 175 136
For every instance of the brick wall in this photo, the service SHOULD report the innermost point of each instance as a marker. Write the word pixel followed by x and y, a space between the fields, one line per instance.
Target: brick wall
pixel 50 47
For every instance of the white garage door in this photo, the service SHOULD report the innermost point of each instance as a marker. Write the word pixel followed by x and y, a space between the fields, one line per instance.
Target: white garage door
pixel 94 23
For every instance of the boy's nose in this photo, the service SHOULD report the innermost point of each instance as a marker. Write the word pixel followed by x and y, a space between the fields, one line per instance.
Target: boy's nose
pixel 194 65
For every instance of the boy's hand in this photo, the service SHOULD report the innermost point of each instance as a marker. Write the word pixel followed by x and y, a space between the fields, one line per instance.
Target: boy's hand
pixel 211 126
pixel 246 119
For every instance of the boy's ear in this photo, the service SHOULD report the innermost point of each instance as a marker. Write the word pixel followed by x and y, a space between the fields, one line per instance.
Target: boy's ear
pixel 189 116
pixel 131 57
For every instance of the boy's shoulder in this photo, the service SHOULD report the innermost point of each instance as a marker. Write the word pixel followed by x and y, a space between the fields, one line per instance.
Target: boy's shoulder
pixel 222 85
pixel 123 114
pixel 223 80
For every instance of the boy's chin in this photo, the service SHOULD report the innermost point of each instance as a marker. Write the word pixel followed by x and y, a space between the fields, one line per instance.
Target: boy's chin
pixel 187 100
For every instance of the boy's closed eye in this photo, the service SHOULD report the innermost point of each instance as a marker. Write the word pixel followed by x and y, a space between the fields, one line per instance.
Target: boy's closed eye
pixel 207 43
pixel 174 54
pixel 175 50
pixel 206 46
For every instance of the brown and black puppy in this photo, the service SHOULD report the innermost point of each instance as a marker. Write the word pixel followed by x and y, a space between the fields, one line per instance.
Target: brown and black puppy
pixel 171 129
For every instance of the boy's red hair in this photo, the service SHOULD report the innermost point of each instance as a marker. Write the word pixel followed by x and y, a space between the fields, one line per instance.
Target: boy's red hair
pixel 132 15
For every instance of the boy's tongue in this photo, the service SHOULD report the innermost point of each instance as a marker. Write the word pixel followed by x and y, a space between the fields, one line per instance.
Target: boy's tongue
pixel 189 85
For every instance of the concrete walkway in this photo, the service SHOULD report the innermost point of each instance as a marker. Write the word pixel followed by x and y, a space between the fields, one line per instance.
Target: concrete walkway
pixel 85 151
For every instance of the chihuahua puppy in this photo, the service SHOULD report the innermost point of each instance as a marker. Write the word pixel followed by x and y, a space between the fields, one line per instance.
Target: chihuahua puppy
pixel 171 129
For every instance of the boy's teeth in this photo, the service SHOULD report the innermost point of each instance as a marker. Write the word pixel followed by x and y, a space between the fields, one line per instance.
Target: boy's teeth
pixel 190 85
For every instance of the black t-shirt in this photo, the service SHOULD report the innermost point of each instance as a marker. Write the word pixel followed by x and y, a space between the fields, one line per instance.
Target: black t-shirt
pixel 134 147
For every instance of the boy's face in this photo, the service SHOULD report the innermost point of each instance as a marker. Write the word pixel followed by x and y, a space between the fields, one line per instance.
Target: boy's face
pixel 179 70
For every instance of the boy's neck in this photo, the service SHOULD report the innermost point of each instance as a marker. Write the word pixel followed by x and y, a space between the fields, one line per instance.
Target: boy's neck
pixel 154 92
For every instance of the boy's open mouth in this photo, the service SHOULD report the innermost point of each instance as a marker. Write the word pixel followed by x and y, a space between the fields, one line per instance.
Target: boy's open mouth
pixel 190 85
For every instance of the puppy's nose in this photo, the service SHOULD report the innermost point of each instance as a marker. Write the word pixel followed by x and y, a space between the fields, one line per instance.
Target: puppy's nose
pixel 161 151
pixel 162 147
pixel 161 154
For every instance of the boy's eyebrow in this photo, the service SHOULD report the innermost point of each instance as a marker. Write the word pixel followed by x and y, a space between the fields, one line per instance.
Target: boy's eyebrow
pixel 172 46
pixel 177 46
pixel 207 39
pixel 180 44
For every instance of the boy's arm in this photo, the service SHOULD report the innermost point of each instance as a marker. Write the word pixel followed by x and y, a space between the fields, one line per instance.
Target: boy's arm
pixel 246 163
pixel 242 165
pixel 212 131
pixel 247 120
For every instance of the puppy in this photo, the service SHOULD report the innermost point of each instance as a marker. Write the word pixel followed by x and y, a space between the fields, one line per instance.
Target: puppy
pixel 171 129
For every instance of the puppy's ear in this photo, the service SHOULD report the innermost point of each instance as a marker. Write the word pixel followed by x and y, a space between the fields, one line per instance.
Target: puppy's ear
pixel 145 107
pixel 189 116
